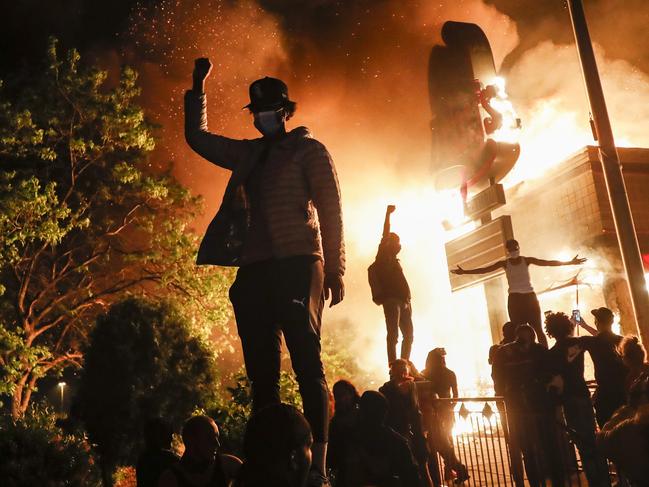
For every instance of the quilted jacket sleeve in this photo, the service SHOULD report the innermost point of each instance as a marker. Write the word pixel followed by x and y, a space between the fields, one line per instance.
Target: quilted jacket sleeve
pixel 222 151
pixel 325 193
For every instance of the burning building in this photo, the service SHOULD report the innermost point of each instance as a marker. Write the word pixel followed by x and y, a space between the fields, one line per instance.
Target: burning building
pixel 566 210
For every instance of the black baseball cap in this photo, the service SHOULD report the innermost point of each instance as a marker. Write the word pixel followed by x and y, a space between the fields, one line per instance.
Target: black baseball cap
pixel 603 314
pixel 267 94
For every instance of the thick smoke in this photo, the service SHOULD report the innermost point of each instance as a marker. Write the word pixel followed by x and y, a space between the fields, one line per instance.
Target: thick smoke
pixel 358 73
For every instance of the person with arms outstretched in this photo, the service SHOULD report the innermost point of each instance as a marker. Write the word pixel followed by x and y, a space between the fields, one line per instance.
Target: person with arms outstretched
pixel 281 223
pixel 390 289
pixel 522 303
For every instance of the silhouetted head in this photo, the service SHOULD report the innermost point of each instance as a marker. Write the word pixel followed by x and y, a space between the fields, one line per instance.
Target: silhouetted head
pixel 277 447
pixel 513 249
pixel 158 434
pixel 436 359
pixel 399 370
pixel 525 334
pixel 633 352
pixel 373 408
pixel 390 245
pixel 603 319
pixel 201 438
pixel 345 395
pixel 558 325
pixel 509 332
pixel 270 105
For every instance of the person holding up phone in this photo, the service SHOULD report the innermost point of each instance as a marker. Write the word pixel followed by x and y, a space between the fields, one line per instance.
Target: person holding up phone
pixel 390 289
pixel 522 303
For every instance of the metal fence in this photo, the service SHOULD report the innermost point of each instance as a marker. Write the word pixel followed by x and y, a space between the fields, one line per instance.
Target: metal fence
pixel 473 432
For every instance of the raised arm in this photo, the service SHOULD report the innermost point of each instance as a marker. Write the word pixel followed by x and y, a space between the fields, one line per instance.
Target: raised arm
pixel 219 150
pixel 386 224
pixel 479 270
pixel 576 260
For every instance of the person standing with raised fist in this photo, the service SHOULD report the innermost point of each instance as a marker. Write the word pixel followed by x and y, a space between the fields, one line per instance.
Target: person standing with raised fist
pixel 281 223
pixel 390 289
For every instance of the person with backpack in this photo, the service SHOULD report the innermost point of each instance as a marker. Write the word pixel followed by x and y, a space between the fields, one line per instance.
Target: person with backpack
pixel 390 289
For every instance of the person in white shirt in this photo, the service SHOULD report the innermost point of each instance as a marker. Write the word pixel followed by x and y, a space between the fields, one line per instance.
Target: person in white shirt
pixel 522 303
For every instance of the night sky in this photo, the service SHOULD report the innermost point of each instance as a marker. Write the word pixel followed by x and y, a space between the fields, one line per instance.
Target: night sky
pixel 354 64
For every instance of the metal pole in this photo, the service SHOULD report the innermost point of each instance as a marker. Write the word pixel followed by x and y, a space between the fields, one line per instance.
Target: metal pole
pixel 626 235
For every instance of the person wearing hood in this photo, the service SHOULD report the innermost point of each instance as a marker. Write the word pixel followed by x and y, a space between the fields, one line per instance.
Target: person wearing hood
pixel 390 289
pixel 280 222
pixel 522 303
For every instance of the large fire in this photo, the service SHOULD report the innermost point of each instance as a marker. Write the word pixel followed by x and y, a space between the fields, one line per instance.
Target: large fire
pixel 361 86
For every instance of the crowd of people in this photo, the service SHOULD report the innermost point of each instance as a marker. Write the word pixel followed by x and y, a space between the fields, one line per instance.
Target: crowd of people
pixel 280 223
pixel 398 434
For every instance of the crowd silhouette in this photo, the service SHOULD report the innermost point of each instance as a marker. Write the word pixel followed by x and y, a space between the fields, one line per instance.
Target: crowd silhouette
pixel 280 223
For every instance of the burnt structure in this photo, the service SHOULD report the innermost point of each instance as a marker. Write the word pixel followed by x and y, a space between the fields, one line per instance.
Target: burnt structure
pixel 568 208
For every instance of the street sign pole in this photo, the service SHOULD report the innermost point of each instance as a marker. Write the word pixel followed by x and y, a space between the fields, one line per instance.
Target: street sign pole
pixel 624 228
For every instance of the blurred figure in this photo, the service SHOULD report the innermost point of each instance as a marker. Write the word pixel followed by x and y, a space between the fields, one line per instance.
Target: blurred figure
pixel 404 415
pixel 440 429
pixel 498 374
pixel 342 427
pixel 610 371
pixel 529 408
pixel 390 289
pixel 157 455
pixel 276 448
pixel 201 465
pixel 634 357
pixel 567 359
pixel 522 304
pixel 380 457
pixel 625 437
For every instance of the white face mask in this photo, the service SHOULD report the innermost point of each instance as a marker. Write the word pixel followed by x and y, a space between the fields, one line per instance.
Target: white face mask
pixel 269 123
pixel 513 254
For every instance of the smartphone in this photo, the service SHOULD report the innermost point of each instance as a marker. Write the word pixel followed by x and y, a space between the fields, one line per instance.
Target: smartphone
pixel 576 315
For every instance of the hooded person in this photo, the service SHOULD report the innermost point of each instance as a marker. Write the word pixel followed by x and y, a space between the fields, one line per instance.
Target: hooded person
pixel 390 289
pixel 522 304
pixel 280 222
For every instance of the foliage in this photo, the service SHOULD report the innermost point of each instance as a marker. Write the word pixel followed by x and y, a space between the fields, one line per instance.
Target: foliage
pixel 35 451
pixel 142 362
pixel 233 410
pixel 83 221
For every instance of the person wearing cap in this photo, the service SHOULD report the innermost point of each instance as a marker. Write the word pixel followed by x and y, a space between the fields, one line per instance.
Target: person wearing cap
pixel 522 303
pixel 610 371
pixel 280 222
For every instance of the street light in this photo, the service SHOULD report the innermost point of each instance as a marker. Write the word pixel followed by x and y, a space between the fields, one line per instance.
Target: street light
pixel 62 387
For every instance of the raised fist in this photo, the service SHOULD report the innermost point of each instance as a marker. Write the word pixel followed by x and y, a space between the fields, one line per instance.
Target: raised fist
pixel 202 68
pixel 391 208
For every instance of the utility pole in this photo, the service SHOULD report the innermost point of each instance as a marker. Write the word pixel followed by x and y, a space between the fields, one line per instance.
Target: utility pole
pixel 608 156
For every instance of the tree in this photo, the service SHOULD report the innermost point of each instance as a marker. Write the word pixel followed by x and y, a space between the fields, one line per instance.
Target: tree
pixel 142 362
pixel 83 221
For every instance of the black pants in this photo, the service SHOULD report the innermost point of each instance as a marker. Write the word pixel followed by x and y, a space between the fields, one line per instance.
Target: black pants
pixel 283 296
pixel 607 400
pixel 525 308
pixel 578 411
pixel 398 316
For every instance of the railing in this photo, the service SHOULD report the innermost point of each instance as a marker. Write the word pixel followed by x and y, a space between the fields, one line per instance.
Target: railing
pixel 473 432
